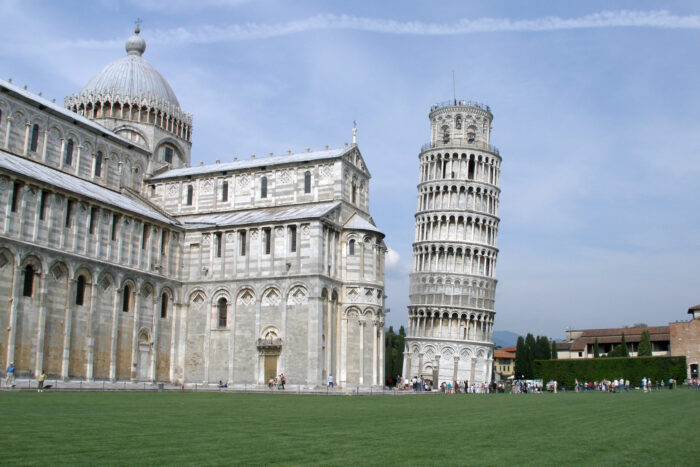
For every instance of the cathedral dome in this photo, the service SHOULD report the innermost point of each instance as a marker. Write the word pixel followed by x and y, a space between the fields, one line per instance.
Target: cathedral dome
pixel 132 76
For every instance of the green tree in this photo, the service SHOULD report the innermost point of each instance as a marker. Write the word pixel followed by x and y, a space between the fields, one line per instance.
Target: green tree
pixel 554 351
pixel 623 344
pixel 521 359
pixel 542 349
pixel 596 349
pixel 402 332
pixel 530 345
pixel 644 345
pixel 620 349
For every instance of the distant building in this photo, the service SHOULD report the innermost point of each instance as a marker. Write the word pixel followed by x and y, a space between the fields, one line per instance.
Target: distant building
pixel 503 363
pixel 685 341
pixel 679 339
pixel 579 343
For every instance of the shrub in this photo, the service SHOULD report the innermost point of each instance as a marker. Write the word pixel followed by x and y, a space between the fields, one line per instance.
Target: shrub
pixel 633 369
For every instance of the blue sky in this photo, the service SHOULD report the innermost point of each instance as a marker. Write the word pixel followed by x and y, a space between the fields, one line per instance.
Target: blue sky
pixel 596 114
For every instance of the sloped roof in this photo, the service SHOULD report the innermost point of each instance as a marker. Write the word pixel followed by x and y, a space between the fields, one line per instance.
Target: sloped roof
pixel 357 222
pixel 502 353
pixel 56 109
pixel 259 215
pixel 73 184
pixel 251 163
pixel 614 336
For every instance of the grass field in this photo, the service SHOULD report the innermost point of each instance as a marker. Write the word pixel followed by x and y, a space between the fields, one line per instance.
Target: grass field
pixel 173 428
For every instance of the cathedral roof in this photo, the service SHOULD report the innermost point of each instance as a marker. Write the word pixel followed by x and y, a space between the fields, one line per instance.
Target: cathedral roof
pixel 62 112
pixel 252 163
pixel 73 184
pixel 132 76
pixel 358 223
pixel 259 215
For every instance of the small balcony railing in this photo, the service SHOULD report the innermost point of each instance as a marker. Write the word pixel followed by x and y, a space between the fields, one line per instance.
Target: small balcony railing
pixel 275 343
pixel 460 103
pixel 460 142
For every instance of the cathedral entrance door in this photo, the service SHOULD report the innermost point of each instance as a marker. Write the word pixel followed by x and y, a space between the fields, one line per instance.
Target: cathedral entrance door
pixel 270 367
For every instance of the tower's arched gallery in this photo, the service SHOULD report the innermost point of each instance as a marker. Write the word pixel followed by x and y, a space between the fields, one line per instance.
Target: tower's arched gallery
pixel 452 287
pixel 119 261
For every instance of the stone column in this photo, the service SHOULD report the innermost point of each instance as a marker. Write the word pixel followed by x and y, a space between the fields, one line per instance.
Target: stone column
pixel 406 364
pixel 362 351
pixel 343 350
pixel 90 352
pixel 135 334
pixel 14 303
pixel 8 130
pixel 472 378
pixel 25 151
pixel 329 335
pixel 154 340
pixel 419 372
pixel 456 368
pixel 61 156
pixel 115 324
pixel 382 361
pixel 41 326
pixel 374 352
pixel 77 160
pixel 68 322
pixel 45 145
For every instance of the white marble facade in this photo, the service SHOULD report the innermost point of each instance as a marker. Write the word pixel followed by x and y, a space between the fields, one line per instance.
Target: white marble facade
pixel 453 284
pixel 119 261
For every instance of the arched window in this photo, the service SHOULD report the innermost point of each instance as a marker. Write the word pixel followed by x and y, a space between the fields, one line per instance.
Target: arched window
pixel 98 164
pixel 263 187
pixel 80 291
pixel 28 281
pixel 68 153
pixel 190 194
pixel 224 191
pixel 351 248
pixel 470 174
pixel 164 305
pixel 354 193
pixel 126 297
pixel 222 307
pixel 307 182
pixel 168 155
pixel 34 144
pixel 458 122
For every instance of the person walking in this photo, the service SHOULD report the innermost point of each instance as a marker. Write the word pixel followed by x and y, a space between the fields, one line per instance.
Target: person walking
pixel 10 375
pixel 41 379
pixel 330 381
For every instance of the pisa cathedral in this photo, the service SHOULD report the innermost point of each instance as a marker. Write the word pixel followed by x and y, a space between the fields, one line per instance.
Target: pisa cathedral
pixel 452 287
pixel 120 261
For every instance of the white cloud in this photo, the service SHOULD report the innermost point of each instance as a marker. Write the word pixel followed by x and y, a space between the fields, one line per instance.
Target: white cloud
pixel 392 258
pixel 235 32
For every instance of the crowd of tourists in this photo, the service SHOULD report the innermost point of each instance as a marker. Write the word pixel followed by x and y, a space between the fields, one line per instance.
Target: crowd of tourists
pixel 420 384
pixel 623 385
pixel 277 382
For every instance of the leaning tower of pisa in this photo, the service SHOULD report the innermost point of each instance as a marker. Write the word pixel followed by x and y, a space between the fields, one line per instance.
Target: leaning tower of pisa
pixel 453 284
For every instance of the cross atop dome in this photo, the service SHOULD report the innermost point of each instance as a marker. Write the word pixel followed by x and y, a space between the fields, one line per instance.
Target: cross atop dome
pixel 135 45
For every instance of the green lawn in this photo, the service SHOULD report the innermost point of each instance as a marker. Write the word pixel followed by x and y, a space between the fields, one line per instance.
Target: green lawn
pixel 173 428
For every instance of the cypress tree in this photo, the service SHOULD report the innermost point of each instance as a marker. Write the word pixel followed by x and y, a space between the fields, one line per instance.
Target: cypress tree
pixel 530 346
pixel 623 344
pixel 596 349
pixel 554 351
pixel 520 359
pixel 644 345
pixel 388 352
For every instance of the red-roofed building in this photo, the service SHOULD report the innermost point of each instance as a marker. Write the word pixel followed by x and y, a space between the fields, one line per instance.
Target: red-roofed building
pixel 503 363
